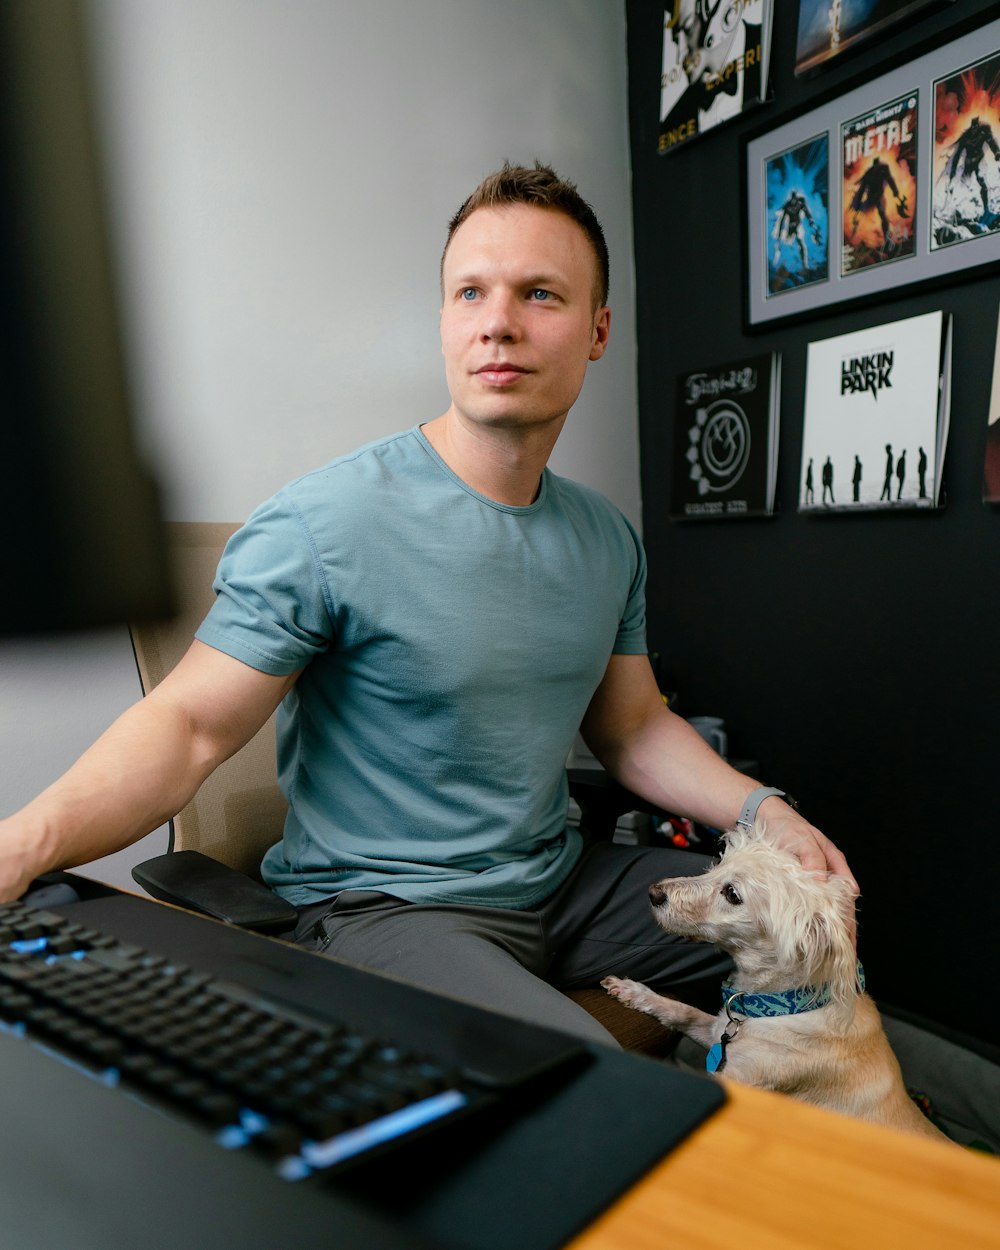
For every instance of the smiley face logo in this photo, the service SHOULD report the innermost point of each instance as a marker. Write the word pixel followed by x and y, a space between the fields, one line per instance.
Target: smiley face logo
pixel 720 446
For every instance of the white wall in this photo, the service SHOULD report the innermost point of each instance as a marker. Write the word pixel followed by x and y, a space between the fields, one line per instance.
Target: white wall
pixel 282 174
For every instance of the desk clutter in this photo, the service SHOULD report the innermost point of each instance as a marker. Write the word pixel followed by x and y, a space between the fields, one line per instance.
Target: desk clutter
pixel 648 825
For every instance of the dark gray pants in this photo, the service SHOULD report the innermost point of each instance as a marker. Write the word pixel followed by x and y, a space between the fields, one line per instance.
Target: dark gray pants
pixel 517 962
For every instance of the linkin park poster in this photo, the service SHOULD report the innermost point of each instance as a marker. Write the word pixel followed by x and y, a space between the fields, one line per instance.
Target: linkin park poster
pixel 965 202
pixel 828 28
pixel 714 65
pixel 879 152
pixel 876 417
pixel 797 228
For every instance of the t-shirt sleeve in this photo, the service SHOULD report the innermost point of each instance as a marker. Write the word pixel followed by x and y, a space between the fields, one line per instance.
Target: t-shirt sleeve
pixel 272 606
pixel 631 637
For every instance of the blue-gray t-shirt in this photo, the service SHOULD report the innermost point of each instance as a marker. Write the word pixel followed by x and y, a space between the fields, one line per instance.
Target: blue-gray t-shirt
pixel 450 647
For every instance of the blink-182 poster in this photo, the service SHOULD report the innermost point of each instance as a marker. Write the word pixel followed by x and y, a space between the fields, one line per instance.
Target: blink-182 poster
pixel 879 151
pixel 965 202
pixel 725 440
pixel 797 229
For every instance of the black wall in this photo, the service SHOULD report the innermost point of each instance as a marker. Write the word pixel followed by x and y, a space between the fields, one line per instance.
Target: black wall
pixel 854 656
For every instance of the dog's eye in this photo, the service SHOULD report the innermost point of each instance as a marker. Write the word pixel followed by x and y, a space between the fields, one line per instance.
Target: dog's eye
pixel 731 894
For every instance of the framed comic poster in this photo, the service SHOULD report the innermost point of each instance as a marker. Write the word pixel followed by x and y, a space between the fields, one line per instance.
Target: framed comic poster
pixel 965 200
pixel 714 66
pixel 878 163
pixel 797 191
pixel 830 28
pixel 893 183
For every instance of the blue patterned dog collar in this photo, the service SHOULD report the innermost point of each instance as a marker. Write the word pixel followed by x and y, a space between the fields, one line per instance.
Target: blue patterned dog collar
pixel 784 1003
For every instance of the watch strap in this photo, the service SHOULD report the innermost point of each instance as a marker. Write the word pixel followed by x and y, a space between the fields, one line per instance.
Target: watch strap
pixel 748 812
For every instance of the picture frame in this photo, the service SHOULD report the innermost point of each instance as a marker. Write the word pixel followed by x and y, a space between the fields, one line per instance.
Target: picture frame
pixel 829 30
pixel 910 191
pixel 712 71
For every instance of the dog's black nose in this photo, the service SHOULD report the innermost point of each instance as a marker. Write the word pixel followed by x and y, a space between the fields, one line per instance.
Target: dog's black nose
pixel 657 894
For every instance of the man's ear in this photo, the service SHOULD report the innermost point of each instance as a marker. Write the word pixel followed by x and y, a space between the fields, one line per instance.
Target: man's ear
pixel 602 329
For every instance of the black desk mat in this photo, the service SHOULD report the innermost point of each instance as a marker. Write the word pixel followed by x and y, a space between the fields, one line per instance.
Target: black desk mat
pixel 530 1174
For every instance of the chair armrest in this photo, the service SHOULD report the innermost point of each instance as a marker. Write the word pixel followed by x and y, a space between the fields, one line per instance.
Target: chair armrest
pixel 199 883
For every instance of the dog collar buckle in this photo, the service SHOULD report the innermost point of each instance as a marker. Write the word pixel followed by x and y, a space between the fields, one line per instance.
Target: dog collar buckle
pixel 715 1060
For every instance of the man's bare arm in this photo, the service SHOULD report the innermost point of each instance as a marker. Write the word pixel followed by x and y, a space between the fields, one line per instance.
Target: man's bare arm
pixel 143 770
pixel 659 756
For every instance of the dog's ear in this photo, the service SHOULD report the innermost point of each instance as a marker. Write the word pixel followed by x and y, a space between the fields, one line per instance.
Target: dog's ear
pixel 813 939
pixel 826 946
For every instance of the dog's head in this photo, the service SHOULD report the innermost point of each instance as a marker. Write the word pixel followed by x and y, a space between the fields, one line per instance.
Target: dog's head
pixel 784 927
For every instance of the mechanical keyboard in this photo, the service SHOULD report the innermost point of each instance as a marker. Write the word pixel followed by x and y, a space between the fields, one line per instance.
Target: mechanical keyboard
pixel 311 1094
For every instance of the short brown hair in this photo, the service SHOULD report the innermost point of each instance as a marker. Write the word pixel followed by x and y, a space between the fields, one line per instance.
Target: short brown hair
pixel 543 188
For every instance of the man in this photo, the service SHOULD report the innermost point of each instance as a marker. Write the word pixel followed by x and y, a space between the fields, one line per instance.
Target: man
pixel 828 480
pixel 887 483
pixel 437 614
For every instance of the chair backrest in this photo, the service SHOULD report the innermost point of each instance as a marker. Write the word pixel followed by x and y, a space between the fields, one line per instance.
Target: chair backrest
pixel 239 811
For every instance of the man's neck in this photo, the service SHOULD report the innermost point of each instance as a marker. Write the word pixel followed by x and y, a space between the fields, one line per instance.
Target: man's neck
pixel 504 464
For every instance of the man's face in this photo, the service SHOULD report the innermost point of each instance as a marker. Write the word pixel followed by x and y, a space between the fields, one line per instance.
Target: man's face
pixel 518 319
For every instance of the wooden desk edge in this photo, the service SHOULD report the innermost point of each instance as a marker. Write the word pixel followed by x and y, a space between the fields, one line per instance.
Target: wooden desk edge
pixel 771 1173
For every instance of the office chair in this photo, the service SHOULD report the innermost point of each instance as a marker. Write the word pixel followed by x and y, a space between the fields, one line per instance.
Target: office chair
pixel 218 840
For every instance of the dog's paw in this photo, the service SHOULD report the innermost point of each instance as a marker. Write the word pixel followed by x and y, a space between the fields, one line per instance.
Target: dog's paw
pixel 631 993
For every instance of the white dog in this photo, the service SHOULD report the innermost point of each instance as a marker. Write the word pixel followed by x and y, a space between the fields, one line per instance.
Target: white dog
pixel 795 1017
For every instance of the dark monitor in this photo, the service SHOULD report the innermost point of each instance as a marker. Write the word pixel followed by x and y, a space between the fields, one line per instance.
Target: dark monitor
pixel 81 542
